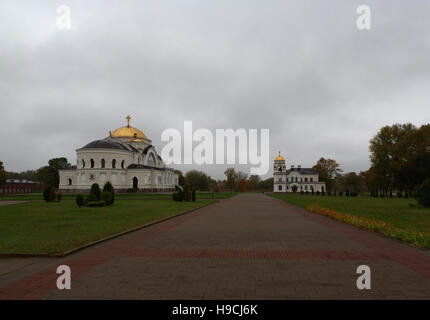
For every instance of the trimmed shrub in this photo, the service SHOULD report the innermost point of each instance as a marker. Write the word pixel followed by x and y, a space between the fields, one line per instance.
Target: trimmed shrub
pixel 59 196
pixel 95 204
pixel 193 195
pixel 329 193
pixel 108 187
pixel 318 193
pixel 49 194
pixel 187 193
pixel 347 193
pixel 91 198
pixel 106 197
pixel 399 194
pixel 307 192
pixel 177 196
pixel 323 193
pixel 354 194
pixel 313 192
pixel 79 200
pixel 340 193
pixel 302 192
pixel 422 193
pixel 95 192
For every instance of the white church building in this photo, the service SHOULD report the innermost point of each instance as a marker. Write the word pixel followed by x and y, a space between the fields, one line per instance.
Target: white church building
pixel 295 179
pixel 126 158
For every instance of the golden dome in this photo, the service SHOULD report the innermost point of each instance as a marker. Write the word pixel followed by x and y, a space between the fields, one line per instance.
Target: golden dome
pixel 279 157
pixel 128 132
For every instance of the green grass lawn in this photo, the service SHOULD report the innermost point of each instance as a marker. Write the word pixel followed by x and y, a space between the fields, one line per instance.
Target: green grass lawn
pixel 56 227
pixel 392 210
pixel 122 196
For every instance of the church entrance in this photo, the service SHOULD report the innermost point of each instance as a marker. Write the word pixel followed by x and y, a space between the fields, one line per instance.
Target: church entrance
pixel 294 189
pixel 135 183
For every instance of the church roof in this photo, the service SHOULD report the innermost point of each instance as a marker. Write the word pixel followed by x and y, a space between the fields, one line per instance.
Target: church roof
pixel 104 144
pixel 142 166
pixel 302 170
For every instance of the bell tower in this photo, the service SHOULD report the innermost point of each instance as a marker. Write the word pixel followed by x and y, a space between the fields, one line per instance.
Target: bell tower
pixel 279 174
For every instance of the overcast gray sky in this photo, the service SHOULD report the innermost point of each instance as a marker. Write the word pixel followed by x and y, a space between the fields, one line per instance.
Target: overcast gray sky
pixel 300 68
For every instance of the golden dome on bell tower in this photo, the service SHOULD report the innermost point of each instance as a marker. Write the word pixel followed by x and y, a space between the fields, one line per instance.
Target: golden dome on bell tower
pixel 279 157
pixel 128 132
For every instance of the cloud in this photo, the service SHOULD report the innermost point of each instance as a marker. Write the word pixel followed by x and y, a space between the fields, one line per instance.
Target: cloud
pixel 299 68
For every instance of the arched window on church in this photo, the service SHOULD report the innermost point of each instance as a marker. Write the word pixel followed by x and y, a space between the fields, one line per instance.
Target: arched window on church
pixel 113 163
pixel 103 163
pixel 92 163
pixel 70 181
pixel 122 164
pixel 83 163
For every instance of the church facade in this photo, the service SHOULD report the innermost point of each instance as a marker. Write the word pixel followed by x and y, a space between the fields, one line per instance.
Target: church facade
pixel 126 158
pixel 295 179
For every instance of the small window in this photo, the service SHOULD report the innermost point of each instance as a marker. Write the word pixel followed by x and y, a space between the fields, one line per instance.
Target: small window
pixel 113 163
pixel 122 164
pixel 92 163
pixel 70 182
pixel 103 163
pixel 83 163
pixel 280 188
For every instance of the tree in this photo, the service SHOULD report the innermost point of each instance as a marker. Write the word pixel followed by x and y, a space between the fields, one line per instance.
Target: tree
pixel 327 169
pixel 400 157
pixel 48 175
pixel 231 175
pixel 181 179
pixel 423 193
pixel 253 182
pixel 2 174
pixel 243 185
pixel 197 180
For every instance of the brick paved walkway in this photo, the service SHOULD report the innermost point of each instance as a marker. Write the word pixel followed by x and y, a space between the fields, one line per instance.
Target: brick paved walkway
pixel 248 247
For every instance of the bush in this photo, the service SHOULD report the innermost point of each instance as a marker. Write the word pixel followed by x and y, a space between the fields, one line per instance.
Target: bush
pixel 323 193
pixel 318 193
pixel 95 204
pixel 59 196
pixel 399 194
pixel 95 192
pixel 302 192
pixel 329 193
pixel 49 194
pixel 106 197
pixel 79 200
pixel 307 192
pixel 193 195
pixel 91 198
pixel 187 193
pixel 422 193
pixel 108 187
pixel 177 196
pixel 340 193
pixel 347 193
pixel 353 194
pixel 313 192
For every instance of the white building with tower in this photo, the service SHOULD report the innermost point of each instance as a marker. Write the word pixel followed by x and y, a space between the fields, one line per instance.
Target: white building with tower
pixel 126 158
pixel 295 179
